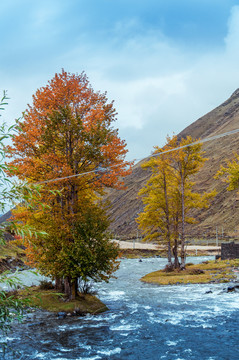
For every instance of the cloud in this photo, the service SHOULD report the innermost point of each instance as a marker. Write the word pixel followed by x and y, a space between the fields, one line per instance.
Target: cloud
pixel 159 84
pixel 231 40
pixel 161 88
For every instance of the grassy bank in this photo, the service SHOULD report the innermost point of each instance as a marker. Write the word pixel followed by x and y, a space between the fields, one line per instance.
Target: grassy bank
pixel 139 253
pixel 54 301
pixel 207 272
pixel 144 253
pixel 12 257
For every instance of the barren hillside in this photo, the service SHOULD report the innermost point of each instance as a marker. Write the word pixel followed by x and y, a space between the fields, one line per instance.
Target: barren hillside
pixel 223 211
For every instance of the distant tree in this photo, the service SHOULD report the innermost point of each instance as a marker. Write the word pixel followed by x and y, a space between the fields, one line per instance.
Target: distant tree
pixel 67 133
pixel 169 195
pixel 231 173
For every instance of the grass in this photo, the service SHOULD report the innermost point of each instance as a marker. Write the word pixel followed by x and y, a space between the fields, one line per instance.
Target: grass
pixel 49 300
pixel 53 301
pixel 11 256
pixel 10 250
pixel 145 253
pixel 207 272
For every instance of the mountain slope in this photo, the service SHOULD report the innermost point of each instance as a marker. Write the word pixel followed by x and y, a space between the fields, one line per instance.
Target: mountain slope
pixel 223 210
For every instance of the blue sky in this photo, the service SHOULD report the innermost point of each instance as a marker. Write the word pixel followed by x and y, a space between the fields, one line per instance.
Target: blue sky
pixel 164 62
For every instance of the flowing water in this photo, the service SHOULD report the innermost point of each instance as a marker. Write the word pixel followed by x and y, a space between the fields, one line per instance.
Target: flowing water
pixel 145 321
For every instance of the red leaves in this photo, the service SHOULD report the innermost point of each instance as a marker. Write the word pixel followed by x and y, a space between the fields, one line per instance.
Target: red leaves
pixel 68 130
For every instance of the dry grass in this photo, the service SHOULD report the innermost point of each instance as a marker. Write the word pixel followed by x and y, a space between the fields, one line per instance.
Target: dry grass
pixel 209 272
pixel 138 253
pixel 11 250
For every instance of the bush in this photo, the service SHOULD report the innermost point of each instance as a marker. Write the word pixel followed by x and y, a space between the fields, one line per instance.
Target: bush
pixel 46 285
pixel 169 268
pixel 86 288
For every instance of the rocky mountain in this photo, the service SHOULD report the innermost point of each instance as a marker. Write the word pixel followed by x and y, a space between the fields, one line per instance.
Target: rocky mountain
pixel 223 214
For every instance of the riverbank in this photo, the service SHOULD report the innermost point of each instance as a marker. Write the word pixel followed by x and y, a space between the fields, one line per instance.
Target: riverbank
pixel 134 247
pixel 140 253
pixel 12 258
pixel 146 253
pixel 53 301
pixel 206 273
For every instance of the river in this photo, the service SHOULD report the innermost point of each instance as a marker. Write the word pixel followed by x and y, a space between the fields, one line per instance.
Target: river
pixel 184 322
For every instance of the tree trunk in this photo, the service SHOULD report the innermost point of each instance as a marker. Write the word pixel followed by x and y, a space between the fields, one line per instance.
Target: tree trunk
pixel 167 220
pixel 175 254
pixel 74 289
pixel 183 257
pixel 59 284
pixel 68 287
pixel 169 254
pixel 175 248
pixel 71 287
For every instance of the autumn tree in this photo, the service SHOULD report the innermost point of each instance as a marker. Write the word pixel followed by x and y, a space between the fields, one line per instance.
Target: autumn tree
pixel 158 196
pixel 186 162
pixel 67 133
pixel 169 196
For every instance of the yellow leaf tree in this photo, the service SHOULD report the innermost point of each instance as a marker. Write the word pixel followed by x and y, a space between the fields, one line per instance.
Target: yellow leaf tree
pixel 169 196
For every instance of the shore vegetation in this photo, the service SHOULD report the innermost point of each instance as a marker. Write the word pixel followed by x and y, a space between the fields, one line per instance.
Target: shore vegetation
pixel 53 301
pixel 215 271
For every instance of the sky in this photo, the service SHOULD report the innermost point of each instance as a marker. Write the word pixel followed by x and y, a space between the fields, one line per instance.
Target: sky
pixel 165 63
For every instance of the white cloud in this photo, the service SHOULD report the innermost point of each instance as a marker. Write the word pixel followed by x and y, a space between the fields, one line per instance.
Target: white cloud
pixel 159 86
pixel 231 40
pixel 170 87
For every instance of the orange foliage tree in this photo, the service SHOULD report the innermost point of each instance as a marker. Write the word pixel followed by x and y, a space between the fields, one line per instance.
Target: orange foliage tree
pixel 67 133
